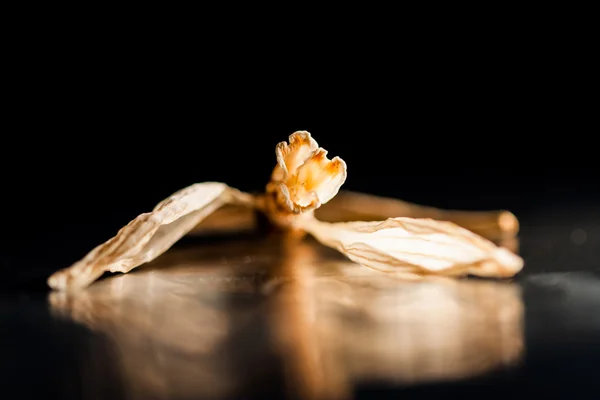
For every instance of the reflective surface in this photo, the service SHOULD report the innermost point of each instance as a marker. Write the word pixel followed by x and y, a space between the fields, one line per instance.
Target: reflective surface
pixel 202 321
pixel 277 317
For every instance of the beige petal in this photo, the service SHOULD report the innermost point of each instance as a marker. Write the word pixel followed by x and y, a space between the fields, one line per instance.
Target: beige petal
pixel 321 175
pixel 290 157
pixel 354 206
pixel 149 235
pixel 304 177
pixel 415 245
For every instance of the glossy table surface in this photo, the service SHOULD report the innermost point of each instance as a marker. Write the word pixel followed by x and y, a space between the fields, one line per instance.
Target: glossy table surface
pixel 246 316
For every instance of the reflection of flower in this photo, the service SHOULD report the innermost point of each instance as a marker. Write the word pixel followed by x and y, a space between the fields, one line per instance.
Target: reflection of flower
pixel 304 177
pixel 177 330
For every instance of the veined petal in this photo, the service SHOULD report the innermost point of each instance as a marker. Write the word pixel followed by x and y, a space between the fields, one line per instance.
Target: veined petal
pixel 150 234
pixel 420 245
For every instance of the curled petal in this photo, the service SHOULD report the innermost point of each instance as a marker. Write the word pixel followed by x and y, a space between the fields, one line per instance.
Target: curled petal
pixel 150 234
pixel 304 177
pixel 290 157
pixel 422 246
pixel 284 201
pixel 355 206
pixel 321 175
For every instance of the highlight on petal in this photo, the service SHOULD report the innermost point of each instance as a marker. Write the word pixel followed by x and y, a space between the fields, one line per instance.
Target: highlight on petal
pixel 304 177
pixel 413 245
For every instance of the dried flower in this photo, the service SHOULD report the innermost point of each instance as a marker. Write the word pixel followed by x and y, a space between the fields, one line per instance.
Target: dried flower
pixel 303 180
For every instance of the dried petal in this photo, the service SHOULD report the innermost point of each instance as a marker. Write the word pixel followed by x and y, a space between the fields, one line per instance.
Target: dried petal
pixel 292 156
pixel 355 206
pixel 414 245
pixel 320 175
pixel 304 177
pixel 149 235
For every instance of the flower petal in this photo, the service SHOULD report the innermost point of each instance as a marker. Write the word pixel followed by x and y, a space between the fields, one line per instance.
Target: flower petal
pixel 150 234
pixel 321 175
pixel 291 157
pixel 424 246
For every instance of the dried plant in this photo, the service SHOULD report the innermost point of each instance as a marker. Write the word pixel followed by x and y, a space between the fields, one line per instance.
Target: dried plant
pixel 303 180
